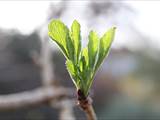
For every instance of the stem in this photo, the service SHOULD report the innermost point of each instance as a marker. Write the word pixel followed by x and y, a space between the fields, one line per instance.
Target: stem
pixel 86 106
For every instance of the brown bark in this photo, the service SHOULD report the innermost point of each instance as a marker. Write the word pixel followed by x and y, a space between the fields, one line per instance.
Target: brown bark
pixel 86 105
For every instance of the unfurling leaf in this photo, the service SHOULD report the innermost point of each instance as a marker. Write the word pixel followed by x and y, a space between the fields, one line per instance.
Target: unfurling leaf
pixel 104 46
pixel 93 48
pixel 76 39
pixel 59 33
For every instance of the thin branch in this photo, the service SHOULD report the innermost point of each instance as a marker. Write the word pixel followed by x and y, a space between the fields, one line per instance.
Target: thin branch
pixel 86 106
pixel 33 97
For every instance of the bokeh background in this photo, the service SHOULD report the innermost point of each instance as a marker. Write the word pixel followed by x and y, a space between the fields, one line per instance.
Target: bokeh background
pixel 128 84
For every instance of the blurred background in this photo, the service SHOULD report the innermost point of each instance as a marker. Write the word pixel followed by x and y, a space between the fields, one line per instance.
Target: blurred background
pixel 128 84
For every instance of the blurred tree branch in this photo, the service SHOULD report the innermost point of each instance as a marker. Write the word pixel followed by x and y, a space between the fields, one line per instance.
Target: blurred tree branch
pixel 49 92
pixel 33 97
pixel 48 78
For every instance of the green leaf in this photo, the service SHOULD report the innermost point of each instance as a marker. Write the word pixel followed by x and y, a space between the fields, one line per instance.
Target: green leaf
pixel 70 48
pixel 82 64
pixel 76 39
pixel 97 51
pixel 83 67
pixel 104 46
pixel 86 57
pixel 92 48
pixel 59 33
pixel 72 71
pixel 70 67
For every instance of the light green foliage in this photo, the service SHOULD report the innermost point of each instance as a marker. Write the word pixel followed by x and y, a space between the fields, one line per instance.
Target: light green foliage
pixel 81 64
pixel 93 48
pixel 76 39
pixel 104 45
pixel 59 33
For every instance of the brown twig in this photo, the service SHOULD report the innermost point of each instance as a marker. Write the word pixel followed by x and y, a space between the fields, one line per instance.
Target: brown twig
pixel 86 105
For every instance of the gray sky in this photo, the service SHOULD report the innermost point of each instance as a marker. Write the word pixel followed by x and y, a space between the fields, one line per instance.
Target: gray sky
pixel 27 16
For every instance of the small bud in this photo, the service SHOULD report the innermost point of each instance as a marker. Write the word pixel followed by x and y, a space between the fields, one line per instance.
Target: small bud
pixel 81 95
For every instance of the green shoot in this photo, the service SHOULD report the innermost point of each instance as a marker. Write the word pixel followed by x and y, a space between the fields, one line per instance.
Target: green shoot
pixel 81 63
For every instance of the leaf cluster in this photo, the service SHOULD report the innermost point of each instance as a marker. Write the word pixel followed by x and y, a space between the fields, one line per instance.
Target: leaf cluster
pixel 81 63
